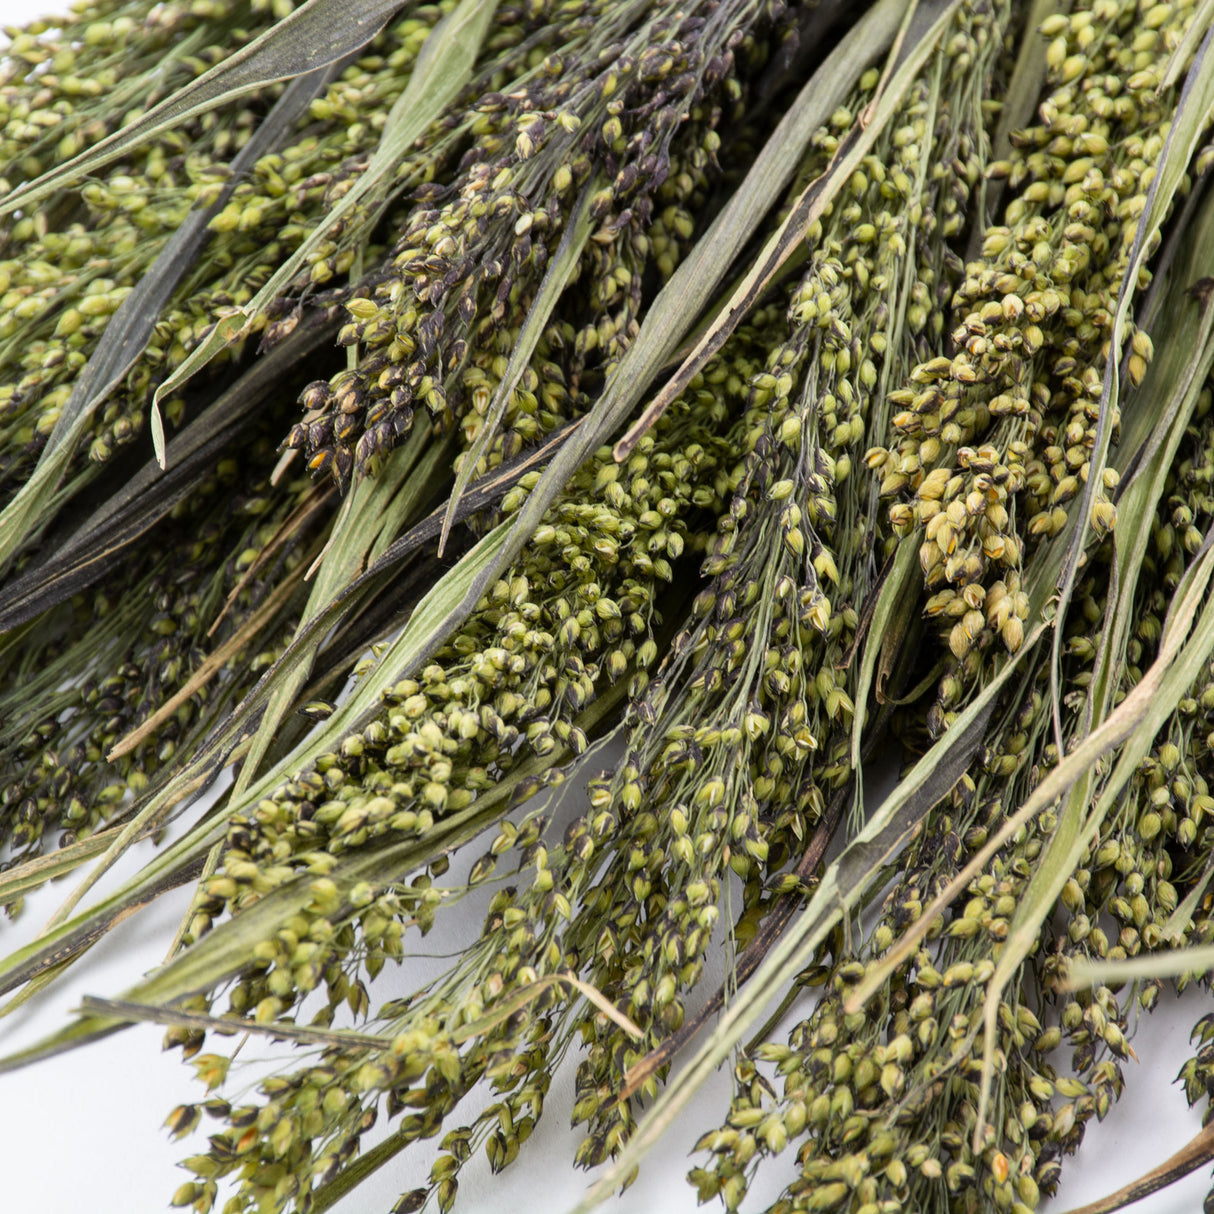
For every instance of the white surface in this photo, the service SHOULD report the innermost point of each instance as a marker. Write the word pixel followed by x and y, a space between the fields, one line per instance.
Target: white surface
pixel 17 12
pixel 83 1132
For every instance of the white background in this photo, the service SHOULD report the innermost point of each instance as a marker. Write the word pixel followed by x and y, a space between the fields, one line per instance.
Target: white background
pixel 83 1132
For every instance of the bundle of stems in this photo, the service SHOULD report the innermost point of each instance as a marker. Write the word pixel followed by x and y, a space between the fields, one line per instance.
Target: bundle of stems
pixel 399 400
